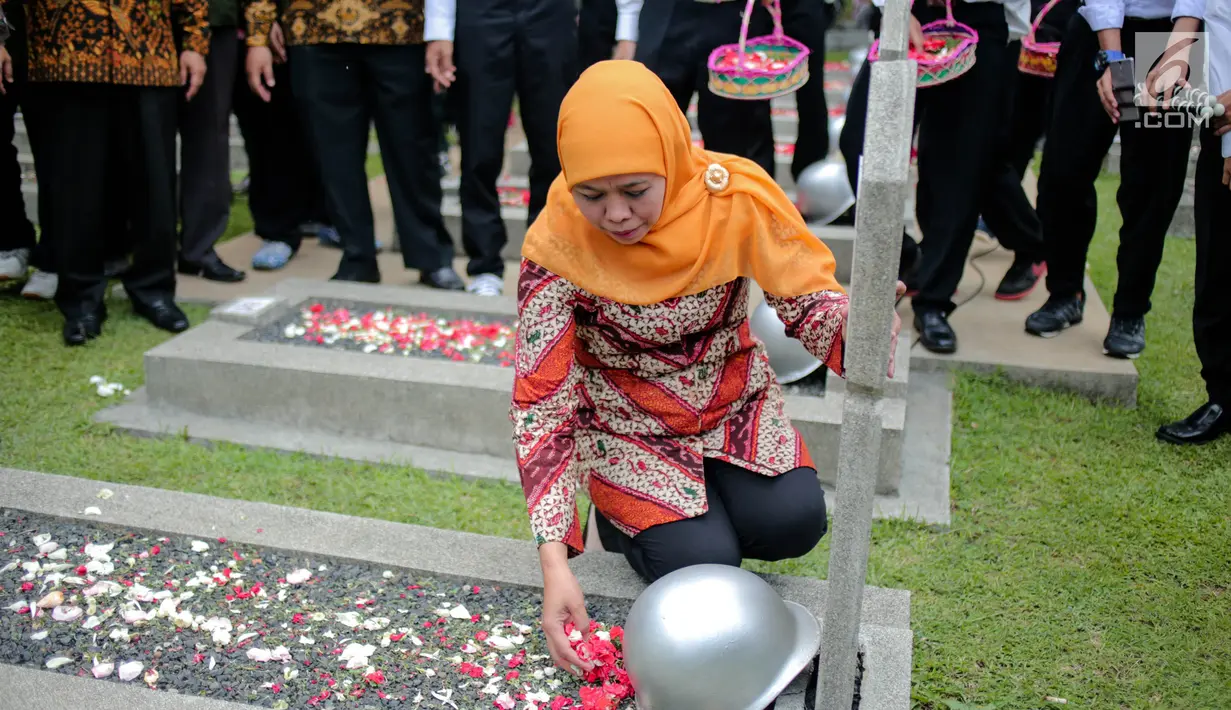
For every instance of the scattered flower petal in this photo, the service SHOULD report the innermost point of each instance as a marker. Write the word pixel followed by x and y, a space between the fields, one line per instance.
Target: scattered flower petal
pixel 56 661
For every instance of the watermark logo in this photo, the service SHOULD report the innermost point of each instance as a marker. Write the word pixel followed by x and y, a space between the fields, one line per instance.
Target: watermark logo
pixel 1166 59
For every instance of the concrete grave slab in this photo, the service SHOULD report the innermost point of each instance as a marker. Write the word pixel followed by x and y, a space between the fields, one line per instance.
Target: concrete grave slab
pixel 31 689
pixel 885 638
pixel 214 370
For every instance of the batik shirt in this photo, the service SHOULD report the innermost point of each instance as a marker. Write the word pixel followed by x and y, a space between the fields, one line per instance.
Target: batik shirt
pixel 308 22
pixel 628 401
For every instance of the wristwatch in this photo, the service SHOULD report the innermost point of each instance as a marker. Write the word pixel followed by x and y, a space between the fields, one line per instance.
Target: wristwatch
pixel 1105 57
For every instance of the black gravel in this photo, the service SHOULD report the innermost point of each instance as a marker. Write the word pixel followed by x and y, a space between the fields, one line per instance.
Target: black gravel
pixel 275 332
pixel 183 657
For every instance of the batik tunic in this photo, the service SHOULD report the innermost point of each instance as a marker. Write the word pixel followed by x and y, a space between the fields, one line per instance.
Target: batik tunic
pixel 628 401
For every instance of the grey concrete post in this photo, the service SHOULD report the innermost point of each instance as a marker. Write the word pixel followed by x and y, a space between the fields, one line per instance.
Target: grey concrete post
pixel 884 185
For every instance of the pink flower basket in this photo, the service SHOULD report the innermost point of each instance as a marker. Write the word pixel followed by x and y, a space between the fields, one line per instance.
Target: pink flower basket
pixel 1038 58
pixel 955 53
pixel 759 68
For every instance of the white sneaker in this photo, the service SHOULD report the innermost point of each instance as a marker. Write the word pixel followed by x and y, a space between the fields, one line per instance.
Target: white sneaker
pixel 41 286
pixel 486 285
pixel 14 264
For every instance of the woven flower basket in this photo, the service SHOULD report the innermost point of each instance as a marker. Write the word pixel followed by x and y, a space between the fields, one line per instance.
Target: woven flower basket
pixel 759 68
pixel 949 50
pixel 1038 58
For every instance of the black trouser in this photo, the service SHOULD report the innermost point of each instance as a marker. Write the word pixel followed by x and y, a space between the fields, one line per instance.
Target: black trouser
pixel 854 128
pixel 750 516
pixel 91 136
pixel 16 232
pixel 285 189
pixel 1002 199
pixel 341 89
pixel 807 21
pixel 742 128
pixel 507 47
pixel 1153 163
pixel 596 31
pixel 1212 307
pixel 1028 122
pixel 205 151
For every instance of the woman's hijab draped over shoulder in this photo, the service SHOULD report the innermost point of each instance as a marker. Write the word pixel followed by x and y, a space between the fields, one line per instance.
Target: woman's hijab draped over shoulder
pixel 723 217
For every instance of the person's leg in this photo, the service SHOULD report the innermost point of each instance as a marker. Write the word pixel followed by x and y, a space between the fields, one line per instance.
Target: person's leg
pixel 1002 199
pixel 1153 164
pixel 546 68
pixel 406 128
pixel 743 128
pixel 663 549
pixel 72 156
pixel 148 139
pixel 205 162
pixel 596 30
pixel 328 82
pixel 1031 106
pixel 1079 133
pixel 775 517
pixel 487 62
pixel 281 170
pixel 807 21
pixel 1211 307
pixel 956 136
pixel 675 62
pixel 17 240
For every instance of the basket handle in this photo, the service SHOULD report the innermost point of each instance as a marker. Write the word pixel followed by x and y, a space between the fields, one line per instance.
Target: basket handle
pixel 775 11
pixel 949 13
pixel 1038 20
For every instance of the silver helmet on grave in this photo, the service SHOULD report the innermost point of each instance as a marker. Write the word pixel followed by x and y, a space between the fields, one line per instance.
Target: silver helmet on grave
pixel 824 191
pixel 788 358
pixel 714 636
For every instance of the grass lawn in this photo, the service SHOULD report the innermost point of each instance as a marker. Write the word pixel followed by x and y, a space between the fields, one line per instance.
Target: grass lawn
pixel 1086 561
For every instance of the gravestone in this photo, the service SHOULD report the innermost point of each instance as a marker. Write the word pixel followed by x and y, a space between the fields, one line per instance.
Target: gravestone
pixel 883 185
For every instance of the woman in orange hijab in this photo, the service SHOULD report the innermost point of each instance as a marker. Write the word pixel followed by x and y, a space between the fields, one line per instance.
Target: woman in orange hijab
pixel 636 372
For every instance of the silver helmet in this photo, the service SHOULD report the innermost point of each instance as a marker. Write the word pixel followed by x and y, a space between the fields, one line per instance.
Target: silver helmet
pixel 824 191
pixel 787 356
pixel 713 636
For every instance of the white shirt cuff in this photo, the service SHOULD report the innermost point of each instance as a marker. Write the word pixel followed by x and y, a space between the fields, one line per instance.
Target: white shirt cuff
pixel 437 28
pixel 626 27
pixel 1226 146
pixel 1102 18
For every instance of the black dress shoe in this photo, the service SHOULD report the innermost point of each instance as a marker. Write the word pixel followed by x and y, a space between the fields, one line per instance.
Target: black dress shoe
pixel 935 332
pixel 367 275
pixel 444 278
pixel 212 268
pixel 162 313
pixel 79 329
pixel 1201 427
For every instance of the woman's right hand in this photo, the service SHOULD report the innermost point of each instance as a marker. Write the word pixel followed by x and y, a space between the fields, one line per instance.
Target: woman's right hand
pixel 563 602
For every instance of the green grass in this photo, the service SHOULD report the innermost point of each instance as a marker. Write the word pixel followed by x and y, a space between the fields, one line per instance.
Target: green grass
pixel 1085 560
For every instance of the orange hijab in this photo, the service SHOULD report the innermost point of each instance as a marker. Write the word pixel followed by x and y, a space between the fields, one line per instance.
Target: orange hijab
pixel 723 217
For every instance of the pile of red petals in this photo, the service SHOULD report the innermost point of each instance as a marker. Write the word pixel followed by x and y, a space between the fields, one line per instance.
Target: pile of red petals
pixel 513 196
pixel 752 61
pixel 460 340
pixel 607 681
pixel 932 50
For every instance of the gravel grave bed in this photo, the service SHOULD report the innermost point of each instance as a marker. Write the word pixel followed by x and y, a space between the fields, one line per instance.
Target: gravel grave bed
pixel 375 328
pixel 241 623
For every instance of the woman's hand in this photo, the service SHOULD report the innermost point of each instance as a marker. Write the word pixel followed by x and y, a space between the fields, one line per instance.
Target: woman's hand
pixel 562 602
pixel 899 291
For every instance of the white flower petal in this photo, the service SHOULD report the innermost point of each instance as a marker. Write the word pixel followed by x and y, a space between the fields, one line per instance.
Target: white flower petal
pixel 67 613
pixel 102 670
pixel 199 546
pixel 95 552
pixel 40 539
pixel 130 670
pixel 57 661
pixel 299 576
pixel 459 612
pixel 106 493
pixel 92 510
pixel 38 635
pixel 260 655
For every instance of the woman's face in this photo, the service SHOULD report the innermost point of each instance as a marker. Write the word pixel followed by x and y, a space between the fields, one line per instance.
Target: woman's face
pixel 624 207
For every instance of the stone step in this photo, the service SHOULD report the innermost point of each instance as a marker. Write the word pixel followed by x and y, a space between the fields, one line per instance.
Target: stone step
pixel 220 369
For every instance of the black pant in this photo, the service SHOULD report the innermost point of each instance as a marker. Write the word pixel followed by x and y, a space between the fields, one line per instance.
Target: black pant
pixel 341 89
pixel 750 516
pixel 1153 163
pixel 16 232
pixel 205 153
pixel 91 136
pixel 1028 122
pixel 507 47
pixel 807 21
pixel 1212 307
pixel 596 31
pixel 742 128
pixel 285 189
pixel 1002 199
